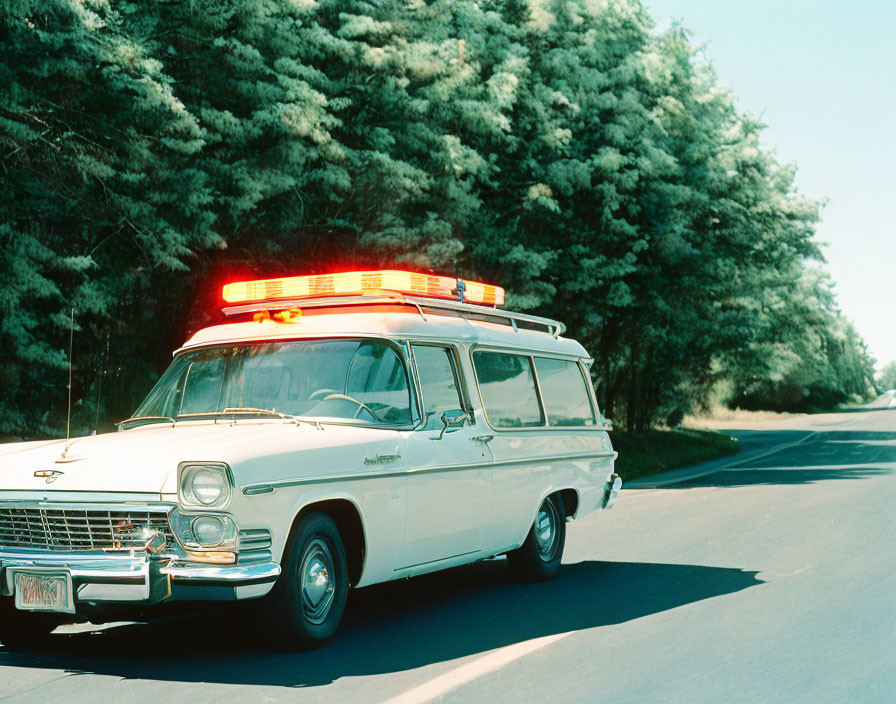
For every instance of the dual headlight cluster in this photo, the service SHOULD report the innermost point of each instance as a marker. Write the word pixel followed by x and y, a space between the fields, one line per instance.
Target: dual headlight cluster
pixel 204 487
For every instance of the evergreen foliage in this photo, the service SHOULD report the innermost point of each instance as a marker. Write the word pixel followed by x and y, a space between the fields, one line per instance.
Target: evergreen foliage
pixel 886 379
pixel 562 149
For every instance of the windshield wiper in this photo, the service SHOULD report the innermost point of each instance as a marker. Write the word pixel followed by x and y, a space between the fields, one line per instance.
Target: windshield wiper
pixel 138 418
pixel 262 411
pixel 249 411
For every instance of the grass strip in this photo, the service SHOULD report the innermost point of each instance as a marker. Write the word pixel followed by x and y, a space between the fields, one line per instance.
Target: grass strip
pixel 655 451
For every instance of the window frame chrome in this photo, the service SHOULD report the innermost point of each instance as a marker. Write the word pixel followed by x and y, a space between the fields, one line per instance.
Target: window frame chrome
pixel 460 381
pixel 585 367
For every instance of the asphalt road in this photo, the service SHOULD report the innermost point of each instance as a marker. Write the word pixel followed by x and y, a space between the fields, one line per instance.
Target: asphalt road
pixel 771 579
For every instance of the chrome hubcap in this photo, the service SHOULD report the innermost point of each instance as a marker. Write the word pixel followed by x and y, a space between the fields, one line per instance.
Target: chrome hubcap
pixel 546 530
pixel 318 581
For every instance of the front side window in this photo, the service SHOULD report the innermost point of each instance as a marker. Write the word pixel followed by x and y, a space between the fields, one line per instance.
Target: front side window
pixel 361 381
pixel 567 400
pixel 508 390
pixel 438 383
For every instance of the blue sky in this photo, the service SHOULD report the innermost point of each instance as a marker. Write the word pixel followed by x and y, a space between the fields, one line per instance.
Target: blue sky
pixel 823 76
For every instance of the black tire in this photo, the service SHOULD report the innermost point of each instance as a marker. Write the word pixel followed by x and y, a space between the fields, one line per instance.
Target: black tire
pixel 538 558
pixel 21 629
pixel 309 620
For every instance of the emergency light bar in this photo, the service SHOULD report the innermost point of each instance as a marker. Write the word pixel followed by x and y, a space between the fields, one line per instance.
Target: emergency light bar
pixel 360 282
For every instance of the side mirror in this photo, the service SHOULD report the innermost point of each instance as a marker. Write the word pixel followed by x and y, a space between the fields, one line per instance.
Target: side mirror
pixel 453 419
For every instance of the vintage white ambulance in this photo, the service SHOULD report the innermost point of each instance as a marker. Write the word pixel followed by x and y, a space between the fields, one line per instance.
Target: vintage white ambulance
pixel 332 432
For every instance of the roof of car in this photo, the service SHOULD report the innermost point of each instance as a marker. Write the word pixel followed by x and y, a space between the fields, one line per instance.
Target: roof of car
pixel 468 324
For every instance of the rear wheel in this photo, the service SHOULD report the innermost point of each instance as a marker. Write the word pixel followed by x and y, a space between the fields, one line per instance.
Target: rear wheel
pixel 538 558
pixel 308 601
pixel 24 628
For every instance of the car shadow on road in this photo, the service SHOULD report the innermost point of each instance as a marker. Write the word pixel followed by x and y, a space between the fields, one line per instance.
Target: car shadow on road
pixel 391 627
pixel 823 456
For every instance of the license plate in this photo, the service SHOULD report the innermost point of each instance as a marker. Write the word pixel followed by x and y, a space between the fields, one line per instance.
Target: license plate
pixel 44 591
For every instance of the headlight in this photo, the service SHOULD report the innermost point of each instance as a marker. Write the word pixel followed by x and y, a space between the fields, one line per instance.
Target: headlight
pixel 209 531
pixel 204 485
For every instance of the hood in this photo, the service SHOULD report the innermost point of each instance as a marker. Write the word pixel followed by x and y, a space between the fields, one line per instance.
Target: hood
pixel 145 460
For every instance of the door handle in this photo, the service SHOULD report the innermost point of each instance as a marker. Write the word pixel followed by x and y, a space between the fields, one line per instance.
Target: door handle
pixel 484 439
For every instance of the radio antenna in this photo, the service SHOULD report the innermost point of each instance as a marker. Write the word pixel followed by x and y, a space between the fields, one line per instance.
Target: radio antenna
pixel 68 419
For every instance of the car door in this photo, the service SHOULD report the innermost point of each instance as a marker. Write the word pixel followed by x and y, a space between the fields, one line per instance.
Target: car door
pixel 515 420
pixel 449 483
pixel 534 452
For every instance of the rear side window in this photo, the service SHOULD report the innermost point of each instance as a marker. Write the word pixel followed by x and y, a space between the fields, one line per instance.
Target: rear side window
pixel 508 390
pixel 567 400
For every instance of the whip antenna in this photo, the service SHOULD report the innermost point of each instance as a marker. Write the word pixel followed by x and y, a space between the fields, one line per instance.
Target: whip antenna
pixel 68 419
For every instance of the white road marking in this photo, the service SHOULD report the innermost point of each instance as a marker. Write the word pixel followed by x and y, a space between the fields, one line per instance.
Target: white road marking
pixel 453 679
pixel 72 628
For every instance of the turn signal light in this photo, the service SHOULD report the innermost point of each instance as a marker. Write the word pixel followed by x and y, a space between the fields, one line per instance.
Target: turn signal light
pixel 361 282
pixel 215 558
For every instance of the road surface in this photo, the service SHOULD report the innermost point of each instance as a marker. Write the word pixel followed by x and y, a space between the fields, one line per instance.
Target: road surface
pixel 769 579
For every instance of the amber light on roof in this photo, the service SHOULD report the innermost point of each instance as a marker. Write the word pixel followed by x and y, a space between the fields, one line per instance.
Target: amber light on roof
pixel 360 282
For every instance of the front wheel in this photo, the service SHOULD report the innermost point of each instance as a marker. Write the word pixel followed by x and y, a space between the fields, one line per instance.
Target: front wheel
pixel 24 628
pixel 308 600
pixel 538 558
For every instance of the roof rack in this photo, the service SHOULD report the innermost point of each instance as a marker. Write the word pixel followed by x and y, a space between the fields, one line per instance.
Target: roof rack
pixel 422 305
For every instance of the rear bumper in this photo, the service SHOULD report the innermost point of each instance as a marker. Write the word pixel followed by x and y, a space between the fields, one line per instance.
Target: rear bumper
pixel 611 491
pixel 139 579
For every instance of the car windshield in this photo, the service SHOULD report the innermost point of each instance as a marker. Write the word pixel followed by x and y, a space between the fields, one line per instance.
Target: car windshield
pixel 361 382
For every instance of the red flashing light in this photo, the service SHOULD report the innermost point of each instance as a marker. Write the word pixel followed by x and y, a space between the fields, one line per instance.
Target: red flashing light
pixel 361 282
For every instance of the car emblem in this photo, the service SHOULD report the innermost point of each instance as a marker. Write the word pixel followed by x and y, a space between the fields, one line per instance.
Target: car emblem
pixel 51 475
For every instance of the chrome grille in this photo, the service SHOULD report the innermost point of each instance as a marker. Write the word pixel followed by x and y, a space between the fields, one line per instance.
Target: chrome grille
pixel 77 529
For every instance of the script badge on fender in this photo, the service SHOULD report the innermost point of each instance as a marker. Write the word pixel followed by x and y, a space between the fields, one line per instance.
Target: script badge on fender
pixel 51 475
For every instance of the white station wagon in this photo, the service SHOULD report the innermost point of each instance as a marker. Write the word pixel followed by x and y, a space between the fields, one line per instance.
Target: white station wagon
pixel 332 432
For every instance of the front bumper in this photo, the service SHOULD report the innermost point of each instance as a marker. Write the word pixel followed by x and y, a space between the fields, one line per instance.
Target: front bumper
pixel 137 578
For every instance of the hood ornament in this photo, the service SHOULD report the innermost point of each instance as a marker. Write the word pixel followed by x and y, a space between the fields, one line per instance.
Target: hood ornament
pixel 51 475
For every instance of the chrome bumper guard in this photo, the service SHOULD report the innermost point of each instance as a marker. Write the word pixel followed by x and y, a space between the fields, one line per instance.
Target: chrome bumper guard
pixel 139 578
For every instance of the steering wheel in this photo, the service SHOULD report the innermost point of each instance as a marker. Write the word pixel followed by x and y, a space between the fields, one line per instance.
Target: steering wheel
pixel 315 394
pixel 360 405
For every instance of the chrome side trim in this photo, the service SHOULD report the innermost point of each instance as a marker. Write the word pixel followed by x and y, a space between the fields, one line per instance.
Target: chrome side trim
pixel 257 489
pixel 268 487
pixel 433 562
